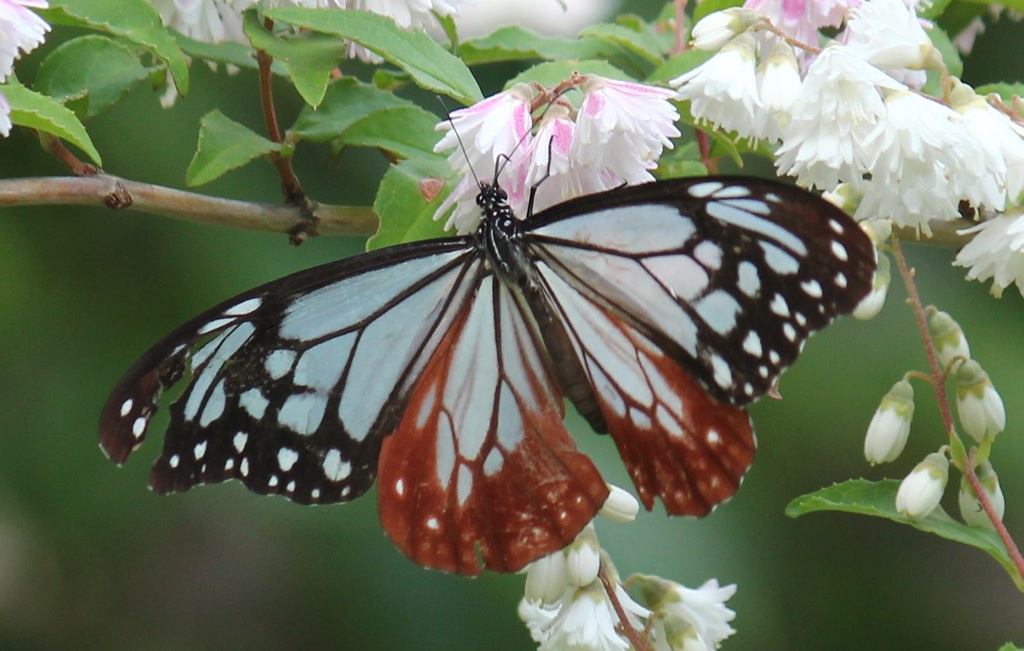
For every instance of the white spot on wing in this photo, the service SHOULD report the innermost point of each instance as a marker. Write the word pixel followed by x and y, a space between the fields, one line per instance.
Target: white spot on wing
pixel 749 281
pixel 239 441
pixel 139 427
pixel 752 344
pixel 719 310
pixel 174 461
pixel 708 254
pixel 839 251
pixel 126 407
pixel 464 485
pixel 812 288
pixel 336 468
pixel 721 370
pixel 199 451
pixel 302 412
pixel 705 189
pixel 779 306
pixel 286 458
pixel 279 363
pixel 243 308
pixel 253 402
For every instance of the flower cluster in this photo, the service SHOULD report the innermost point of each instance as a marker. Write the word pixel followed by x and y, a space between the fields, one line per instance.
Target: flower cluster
pixel 21 31
pixel 528 134
pixel 214 21
pixel 852 117
pixel 567 606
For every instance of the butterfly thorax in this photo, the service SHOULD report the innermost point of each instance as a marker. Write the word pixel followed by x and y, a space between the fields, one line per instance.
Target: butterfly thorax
pixel 499 236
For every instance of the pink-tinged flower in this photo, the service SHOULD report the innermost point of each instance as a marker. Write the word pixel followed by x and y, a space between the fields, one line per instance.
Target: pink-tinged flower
pixel 888 34
pixel 838 111
pixel 921 490
pixel 495 133
pixel 890 426
pixel 802 19
pixel 623 127
pixel 21 31
pixel 210 21
pixel 996 252
pixel 723 90
pixel 5 116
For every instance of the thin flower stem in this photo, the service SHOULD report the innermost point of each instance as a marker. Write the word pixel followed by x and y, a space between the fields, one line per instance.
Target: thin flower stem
pixel 680 46
pixel 289 182
pixel 636 641
pixel 770 26
pixel 938 375
pixel 53 145
pixel 112 192
pixel 1004 534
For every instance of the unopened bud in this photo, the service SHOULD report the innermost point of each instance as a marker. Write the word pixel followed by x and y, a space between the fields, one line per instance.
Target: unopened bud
pixel 890 426
pixel 978 403
pixel 970 507
pixel 922 489
pixel 949 338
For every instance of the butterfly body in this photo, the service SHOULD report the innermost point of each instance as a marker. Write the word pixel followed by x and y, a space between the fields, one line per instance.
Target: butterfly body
pixel 439 368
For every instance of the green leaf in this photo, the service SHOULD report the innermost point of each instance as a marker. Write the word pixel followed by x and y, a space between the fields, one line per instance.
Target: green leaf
pixel 405 131
pixel 406 215
pixel 347 100
pixel 430 65
pixel 224 145
pixel 519 44
pixel 711 6
pixel 1005 91
pixel 1010 647
pixel 678 65
pixel 309 58
pixel 227 52
pixel 551 73
pixel 134 20
pixel 38 111
pixel 879 499
pixel 638 43
pixel 90 73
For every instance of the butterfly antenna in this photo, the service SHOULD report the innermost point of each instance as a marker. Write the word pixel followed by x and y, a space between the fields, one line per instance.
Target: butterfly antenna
pixel 462 145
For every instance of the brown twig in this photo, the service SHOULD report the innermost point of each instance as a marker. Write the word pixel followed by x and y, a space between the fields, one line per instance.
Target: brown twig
pixel 112 192
pixel 75 165
pixel 986 504
pixel 639 643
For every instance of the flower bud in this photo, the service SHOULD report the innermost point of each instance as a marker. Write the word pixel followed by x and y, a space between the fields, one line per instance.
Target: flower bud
pixel 970 507
pixel 949 339
pixel 718 28
pixel 546 579
pixel 887 433
pixel 872 304
pixel 583 558
pixel 921 490
pixel 978 403
pixel 620 506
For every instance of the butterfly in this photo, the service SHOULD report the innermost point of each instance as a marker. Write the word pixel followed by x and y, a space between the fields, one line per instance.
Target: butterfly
pixel 440 368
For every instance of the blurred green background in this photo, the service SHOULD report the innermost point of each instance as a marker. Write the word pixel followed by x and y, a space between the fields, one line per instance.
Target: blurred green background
pixel 90 559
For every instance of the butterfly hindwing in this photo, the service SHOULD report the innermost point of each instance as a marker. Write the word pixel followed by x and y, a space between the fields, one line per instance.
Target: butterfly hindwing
pixel 290 389
pixel 482 460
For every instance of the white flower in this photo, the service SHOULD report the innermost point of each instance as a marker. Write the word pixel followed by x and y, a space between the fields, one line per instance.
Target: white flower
pixel 620 506
pixel 914 160
pixel 996 251
pixel 546 579
pixel 996 165
pixel 210 21
pixel 686 616
pixel 949 338
pixel 588 620
pixel 723 90
pixel 838 112
pixel 971 509
pixel 21 30
pixel 719 27
pixel 779 87
pixel 538 617
pixel 872 304
pixel 978 403
pixel 890 426
pixel 888 34
pixel 623 127
pixel 921 490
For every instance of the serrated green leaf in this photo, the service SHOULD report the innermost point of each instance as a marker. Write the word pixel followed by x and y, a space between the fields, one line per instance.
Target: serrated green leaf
pixel 1006 92
pixel 91 72
pixel 640 44
pixel 407 132
pixel 38 111
pixel 347 100
pixel 879 499
pixel 1010 647
pixel 551 73
pixel 224 145
pixel 226 52
pixel 134 20
pixel 515 43
pixel 430 65
pixel 711 6
pixel 679 65
pixel 406 215
pixel 309 57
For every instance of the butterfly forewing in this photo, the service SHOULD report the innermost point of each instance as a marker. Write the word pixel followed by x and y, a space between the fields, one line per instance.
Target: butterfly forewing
pixel 729 276
pixel 289 389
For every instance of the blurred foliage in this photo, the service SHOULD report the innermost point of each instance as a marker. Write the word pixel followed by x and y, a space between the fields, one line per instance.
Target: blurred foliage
pixel 90 559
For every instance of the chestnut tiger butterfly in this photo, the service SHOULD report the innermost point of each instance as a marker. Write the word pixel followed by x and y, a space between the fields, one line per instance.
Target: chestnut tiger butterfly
pixel 439 368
